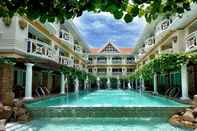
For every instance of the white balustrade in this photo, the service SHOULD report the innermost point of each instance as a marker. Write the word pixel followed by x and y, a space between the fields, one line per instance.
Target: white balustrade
pixel 67 37
pixel 66 61
pixel 163 26
pixel 191 41
pixel 41 49
pixel 116 61
pixel 101 61
pixel 141 53
pixel 149 43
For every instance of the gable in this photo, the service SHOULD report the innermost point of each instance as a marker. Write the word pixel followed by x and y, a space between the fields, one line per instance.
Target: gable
pixel 110 48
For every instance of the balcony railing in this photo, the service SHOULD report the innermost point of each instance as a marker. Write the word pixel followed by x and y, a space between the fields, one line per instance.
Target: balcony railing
pixel 101 61
pixel 141 53
pixel 66 61
pixel 116 61
pixel 67 37
pixel 191 41
pixel 162 26
pixel 149 43
pixel 41 49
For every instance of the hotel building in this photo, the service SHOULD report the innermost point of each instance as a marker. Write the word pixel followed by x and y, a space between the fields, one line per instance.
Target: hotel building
pixel 173 35
pixel 38 50
pixel 110 61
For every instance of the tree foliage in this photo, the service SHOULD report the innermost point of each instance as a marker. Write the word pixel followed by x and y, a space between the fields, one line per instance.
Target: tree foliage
pixel 165 63
pixel 73 73
pixel 51 10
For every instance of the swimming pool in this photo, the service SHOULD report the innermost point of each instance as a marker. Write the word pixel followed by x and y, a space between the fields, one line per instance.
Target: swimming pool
pixel 102 110
pixel 106 98
pixel 98 124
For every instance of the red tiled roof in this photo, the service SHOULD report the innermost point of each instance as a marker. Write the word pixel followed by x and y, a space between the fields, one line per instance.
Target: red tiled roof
pixel 126 50
pixel 94 50
pixel 122 50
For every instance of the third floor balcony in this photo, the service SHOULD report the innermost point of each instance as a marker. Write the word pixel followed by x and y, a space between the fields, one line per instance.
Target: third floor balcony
pixel 191 41
pixel 66 61
pixel 67 37
pixel 163 26
pixel 149 43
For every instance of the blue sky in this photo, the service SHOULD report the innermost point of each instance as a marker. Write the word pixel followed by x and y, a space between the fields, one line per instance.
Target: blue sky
pixel 97 29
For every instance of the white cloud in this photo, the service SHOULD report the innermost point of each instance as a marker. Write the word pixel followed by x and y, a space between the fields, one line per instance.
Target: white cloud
pixel 99 28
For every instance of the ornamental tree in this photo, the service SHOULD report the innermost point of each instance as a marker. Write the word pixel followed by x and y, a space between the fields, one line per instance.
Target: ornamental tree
pixel 51 10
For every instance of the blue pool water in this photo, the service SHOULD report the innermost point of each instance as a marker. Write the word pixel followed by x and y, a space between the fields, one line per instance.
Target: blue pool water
pixel 107 98
pixel 102 110
pixel 98 124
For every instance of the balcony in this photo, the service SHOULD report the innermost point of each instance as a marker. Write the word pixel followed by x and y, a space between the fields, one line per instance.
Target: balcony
pixel 149 43
pixel 191 41
pixel 66 61
pixel 78 49
pixel 101 61
pixel 163 26
pixel 141 53
pixel 41 49
pixel 66 37
pixel 116 61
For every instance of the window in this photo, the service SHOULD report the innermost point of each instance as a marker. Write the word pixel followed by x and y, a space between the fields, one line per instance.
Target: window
pixel 90 70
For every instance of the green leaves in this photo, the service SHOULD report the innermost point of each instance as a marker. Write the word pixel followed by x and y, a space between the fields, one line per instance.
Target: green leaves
pixel 51 10
pixel 128 18
pixel 73 73
pixel 165 63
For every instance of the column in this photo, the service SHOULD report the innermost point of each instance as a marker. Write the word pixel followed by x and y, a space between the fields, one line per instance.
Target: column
pixel 184 82
pixel 155 83
pixel 136 84
pixel 62 83
pixel 143 85
pixel 28 84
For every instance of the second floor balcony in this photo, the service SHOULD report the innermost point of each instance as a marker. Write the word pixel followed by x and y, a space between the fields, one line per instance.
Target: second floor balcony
pixel 66 61
pixel 42 49
pixel 191 41
pixel 116 61
pixel 103 61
